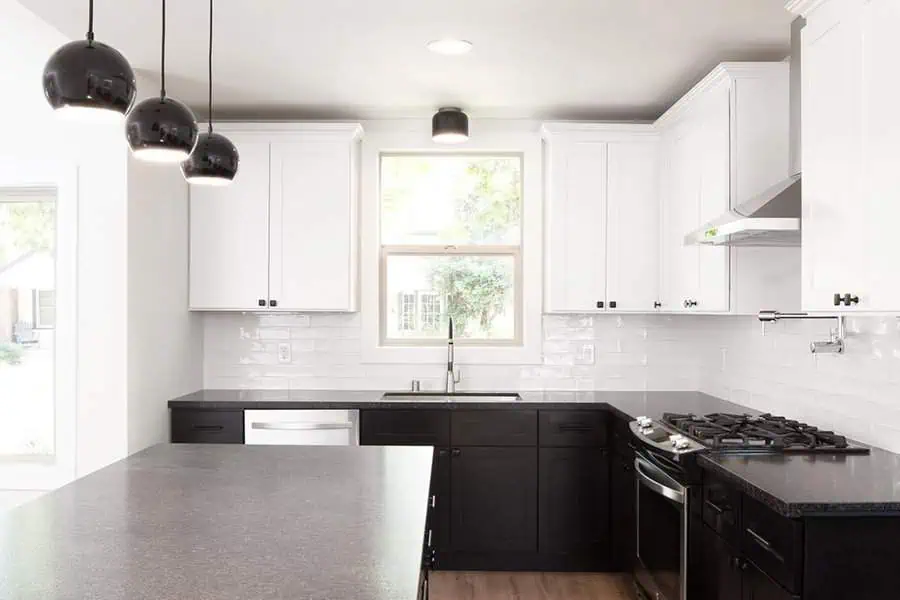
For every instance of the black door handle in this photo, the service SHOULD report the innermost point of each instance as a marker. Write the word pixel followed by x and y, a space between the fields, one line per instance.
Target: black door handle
pixel 612 303
pixel 273 303
pixel 262 302
pixel 657 304
pixel 207 427
pixel 600 304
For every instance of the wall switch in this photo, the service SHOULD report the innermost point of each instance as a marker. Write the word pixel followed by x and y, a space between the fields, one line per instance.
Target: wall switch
pixel 284 352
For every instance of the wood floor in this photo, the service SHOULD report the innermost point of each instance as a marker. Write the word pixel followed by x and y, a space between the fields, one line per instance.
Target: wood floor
pixel 459 585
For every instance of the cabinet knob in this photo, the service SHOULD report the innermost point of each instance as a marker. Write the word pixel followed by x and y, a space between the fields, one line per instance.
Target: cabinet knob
pixel 456 452
pixel 657 304
pixel 612 304
pixel 273 303
pixel 262 302
pixel 600 304
pixel 443 452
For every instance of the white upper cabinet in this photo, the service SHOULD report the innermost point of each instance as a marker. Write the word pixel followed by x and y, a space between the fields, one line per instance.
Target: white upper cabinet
pixel 851 190
pixel 723 143
pixel 229 236
pixel 602 218
pixel 283 235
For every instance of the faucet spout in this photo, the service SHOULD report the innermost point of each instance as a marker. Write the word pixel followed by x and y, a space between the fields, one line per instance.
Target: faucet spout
pixel 452 376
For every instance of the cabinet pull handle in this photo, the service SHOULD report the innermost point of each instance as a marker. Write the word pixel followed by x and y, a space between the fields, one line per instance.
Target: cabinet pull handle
pixel 261 302
pixel 657 304
pixel 837 300
pixel 690 303
pixel 600 304
pixel 443 452
pixel 207 427
pixel 764 544
pixel 613 304
pixel 456 452
pixel 714 506
pixel 433 500
pixel 273 303
pixel 576 427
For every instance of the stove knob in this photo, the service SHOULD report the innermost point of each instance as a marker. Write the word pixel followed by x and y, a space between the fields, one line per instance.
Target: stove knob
pixel 644 422
pixel 683 444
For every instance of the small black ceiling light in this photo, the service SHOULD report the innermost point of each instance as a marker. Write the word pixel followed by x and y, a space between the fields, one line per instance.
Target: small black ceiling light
pixel 89 81
pixel 449 126
pixel 214 160
pixel 161 129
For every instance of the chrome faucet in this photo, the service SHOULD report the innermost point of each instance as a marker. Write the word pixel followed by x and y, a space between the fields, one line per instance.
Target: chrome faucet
pixel 453 376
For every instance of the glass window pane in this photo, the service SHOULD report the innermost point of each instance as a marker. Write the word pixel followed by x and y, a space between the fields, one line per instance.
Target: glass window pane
pixel 451 199
pixel 27 321
pixel 477 291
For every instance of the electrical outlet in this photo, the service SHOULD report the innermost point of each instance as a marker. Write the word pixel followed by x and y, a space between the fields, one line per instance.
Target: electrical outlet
pixel 284 352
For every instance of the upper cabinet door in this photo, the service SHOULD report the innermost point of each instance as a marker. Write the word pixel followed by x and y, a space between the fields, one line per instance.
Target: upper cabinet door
pixel 881 158
pixel 632 281
pixel 576 225
pixel 681 214
pixel 834 230
pixel 313 233
pixel 229 248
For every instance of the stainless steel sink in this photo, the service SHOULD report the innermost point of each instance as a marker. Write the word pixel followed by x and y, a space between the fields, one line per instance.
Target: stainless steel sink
pixel 454 396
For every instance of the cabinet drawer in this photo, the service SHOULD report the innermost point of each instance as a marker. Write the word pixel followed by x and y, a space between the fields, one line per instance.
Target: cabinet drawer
pixel 207 426
pixel 773 543
pixel 404 428
pixel 722 508
pixel 493 427
pixel 572 428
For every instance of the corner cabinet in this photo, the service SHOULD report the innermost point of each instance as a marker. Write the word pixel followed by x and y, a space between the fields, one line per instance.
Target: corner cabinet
pixel 722 144
pixel 602 218
pixel 851 194
pixel 283 235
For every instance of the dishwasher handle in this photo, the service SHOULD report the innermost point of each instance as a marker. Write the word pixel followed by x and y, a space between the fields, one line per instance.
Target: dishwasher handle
pixel 300 426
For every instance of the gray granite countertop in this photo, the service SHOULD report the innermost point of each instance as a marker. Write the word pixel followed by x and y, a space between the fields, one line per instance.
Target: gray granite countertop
pixel 219 522
pixel 800 485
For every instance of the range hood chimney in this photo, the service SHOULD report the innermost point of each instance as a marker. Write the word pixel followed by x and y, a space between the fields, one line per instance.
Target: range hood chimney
pixel 771 218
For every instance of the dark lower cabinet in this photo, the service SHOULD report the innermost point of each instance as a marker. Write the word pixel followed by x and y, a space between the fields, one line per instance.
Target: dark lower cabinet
pixel 440 490
pixel 574 505
pixel 493 498
pixel 722 574
pixel 623 520
pixel 757 585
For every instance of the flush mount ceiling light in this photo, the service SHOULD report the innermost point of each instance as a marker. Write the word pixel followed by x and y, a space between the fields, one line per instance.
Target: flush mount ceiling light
pixel 161 130
pixel 449 46
pixel 214 160
pixel 449 126
pixel 88 80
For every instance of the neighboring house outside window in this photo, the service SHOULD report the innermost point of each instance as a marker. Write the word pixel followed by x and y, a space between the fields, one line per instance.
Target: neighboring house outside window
pixel 44 309
pixel 451 229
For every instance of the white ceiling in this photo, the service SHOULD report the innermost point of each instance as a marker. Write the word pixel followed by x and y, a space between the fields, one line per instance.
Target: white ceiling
pixel 604 59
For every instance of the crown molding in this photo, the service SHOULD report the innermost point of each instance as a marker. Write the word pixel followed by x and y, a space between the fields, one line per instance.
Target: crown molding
pixel 803 7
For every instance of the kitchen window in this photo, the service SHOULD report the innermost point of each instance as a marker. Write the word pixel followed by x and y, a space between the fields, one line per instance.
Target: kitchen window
pixel 451 246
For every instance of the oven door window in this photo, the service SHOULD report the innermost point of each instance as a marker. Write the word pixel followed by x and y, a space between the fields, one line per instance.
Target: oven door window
pixel 659 539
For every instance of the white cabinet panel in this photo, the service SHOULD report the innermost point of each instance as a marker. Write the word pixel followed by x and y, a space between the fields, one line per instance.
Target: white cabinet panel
pixel 313 226
pixel 229 250
pixel 632 275
pixel 681 210
pixel 833 222
pixel 576 225
pixel 881 156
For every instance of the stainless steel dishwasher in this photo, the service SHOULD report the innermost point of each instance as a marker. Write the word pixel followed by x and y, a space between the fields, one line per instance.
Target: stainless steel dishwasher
pixel 301 427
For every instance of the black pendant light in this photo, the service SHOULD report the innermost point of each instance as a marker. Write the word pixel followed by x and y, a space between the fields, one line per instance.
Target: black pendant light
pixel 214 160
pixel 90 81
pixel 161 129
pixel 449 126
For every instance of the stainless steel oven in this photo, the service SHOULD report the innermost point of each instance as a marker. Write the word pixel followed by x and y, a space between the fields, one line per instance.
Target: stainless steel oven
pixel 662 530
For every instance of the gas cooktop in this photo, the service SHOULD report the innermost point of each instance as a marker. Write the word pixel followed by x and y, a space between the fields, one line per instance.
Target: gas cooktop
pixel 761 433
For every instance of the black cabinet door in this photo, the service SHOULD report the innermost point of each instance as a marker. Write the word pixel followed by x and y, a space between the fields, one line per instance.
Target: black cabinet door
pixel 758 586
pixel 440 490
pixel 624 515
pixel 720 570
pixel 573 516
pixel 493 499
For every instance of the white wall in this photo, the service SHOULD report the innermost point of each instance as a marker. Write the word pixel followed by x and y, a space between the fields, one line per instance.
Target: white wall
pixel 856 394
pixel 164 340
pixel 628 352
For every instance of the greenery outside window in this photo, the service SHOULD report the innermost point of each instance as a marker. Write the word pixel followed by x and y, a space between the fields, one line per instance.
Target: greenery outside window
pixel 451 246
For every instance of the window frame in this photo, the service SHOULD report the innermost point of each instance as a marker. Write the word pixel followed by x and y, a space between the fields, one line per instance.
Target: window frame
pixel 490 137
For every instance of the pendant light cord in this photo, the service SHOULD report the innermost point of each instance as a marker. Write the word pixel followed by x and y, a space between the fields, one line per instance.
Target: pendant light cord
pixel 162 68
pixel 90 33
pixel 210 65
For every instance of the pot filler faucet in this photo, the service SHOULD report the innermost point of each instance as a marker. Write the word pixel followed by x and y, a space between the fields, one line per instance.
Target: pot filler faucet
pixel 835 345
pixel 453 376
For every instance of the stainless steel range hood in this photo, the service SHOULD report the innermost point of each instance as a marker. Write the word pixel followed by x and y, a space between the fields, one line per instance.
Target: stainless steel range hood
pixel 772 218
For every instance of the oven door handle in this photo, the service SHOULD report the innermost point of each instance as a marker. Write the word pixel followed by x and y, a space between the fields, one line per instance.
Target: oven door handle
pixel 641 471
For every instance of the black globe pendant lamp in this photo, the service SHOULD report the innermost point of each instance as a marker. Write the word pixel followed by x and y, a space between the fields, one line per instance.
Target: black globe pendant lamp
pixel 87 80
pixel 449 126
pixel 161 130
pixel 214 160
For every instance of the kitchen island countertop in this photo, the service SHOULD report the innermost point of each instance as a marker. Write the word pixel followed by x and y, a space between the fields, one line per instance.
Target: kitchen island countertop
pixel 220 522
